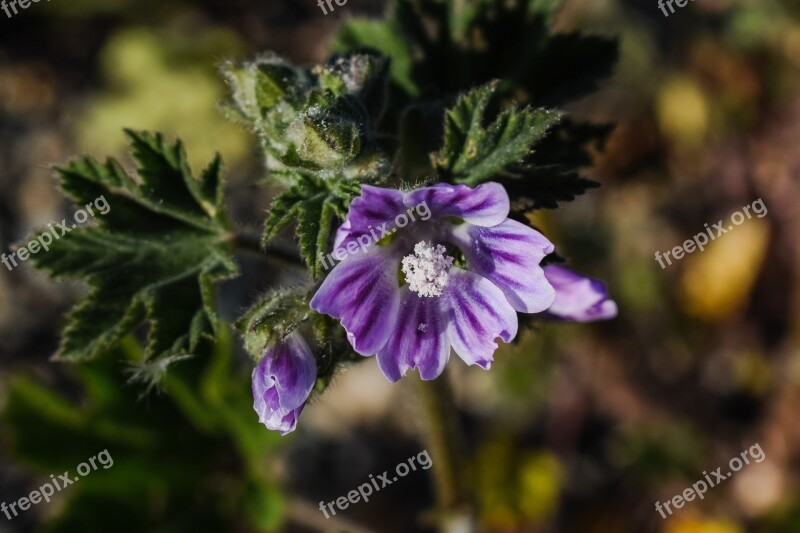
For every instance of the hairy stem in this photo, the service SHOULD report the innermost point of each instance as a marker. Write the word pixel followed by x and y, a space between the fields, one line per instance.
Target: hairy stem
pixel 444 440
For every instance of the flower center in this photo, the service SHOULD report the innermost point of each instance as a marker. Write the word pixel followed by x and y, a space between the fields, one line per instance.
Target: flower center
pixel 426 269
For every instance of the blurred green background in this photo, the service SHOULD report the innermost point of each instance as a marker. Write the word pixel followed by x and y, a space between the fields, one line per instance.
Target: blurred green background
pixel 577 428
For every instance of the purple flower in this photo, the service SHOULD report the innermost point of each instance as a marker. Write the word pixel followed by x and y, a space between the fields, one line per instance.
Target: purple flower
pixel 282 381
pixel 452 276
pixel 578 298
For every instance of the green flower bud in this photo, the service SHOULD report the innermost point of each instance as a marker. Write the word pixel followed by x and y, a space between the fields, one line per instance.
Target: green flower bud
pixel 324 138
pixel 363 75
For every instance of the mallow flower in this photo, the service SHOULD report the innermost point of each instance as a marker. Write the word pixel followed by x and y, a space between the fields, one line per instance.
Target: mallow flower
pixel 282 381
pixel 455 279
pixel 578 298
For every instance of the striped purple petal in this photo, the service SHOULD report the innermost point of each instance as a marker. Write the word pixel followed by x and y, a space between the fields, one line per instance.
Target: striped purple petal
pixel 376 208
pixel 419 339
pixel 508 255
pixel 485 205
pixel 478 313
pixel 578 298
pixel 363 293
pixel 282 381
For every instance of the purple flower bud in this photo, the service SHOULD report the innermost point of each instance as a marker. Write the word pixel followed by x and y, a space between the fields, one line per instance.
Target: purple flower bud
pixel 282 381
pixel 578 298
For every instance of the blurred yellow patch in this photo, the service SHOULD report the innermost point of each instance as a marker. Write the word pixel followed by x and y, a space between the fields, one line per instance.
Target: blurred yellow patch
pixel 540 479
pixel 792 45
pixel 164 82
pixel 717 281
pixel 754 373
pixel 701 526
pixel 496 500
pixel 683 111
pixel 517 486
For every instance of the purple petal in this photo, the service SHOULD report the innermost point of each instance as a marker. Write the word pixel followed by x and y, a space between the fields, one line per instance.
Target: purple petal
pixel 485 205
pixel 288 423
pixel 478 313
pixel 578 298
pixel 508 255
pixel 282 421
pixel 282 382
pixel 419 339
pixel 363 292
pixel 294 370
pixel 376 207
pixel 263 404
pixel 272 400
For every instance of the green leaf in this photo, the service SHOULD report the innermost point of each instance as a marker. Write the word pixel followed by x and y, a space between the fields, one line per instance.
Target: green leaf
pixel 566 144
pixel 545 187
pixel 553 171
pixel 570 66
pixel 446 47
pixel 474 152
pixel 314 205
pixel 200 442
pixel 154 256
pixel 443 48
pixel 503 151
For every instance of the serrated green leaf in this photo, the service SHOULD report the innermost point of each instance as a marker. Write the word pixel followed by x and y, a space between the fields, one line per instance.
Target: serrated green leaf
pixel 545 187
pixel 154 256
pixel 283 211
pixel 314 229
pixel 444 48
pixel 449 46
pixel 474 152
pixel 314 205
pixel 566 144
pixel 569 66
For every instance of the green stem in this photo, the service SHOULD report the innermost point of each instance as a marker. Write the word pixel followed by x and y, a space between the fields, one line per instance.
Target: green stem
pixel 445 444
pixel 252 244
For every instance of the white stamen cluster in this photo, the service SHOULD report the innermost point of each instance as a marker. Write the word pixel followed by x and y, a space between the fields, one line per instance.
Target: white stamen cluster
pixel 426 269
